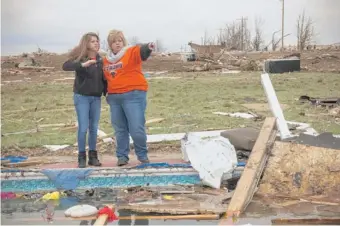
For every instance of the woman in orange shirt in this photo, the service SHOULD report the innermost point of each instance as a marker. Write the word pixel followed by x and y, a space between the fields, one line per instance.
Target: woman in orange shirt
pixel 127 91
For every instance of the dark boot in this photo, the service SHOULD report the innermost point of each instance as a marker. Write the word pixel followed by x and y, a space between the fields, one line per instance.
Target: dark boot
pixel 122 162
pixel 93 159
pixel 81 159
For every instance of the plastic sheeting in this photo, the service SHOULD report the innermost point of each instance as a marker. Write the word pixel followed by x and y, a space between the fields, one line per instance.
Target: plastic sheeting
pixel 67 179
pixel 214 157
pixel 81 211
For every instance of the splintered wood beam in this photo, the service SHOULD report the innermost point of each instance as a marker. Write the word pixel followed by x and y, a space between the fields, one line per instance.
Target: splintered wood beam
pixel 249 180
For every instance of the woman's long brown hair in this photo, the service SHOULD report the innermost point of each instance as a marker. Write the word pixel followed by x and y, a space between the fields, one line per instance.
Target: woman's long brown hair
pixel 80 51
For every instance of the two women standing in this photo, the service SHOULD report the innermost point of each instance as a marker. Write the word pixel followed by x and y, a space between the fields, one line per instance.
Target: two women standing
pixel 119 75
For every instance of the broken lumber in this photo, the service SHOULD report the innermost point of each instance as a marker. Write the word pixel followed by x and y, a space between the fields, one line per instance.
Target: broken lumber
pixel 317 221
pixel 275 106
pixel 154 120
pixel 35 68
pixel 24 163
pixel 247 184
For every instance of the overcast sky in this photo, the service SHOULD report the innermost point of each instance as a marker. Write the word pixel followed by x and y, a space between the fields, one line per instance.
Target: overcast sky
pixel 57 25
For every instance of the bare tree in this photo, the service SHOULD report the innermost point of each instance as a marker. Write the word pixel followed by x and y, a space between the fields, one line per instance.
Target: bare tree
pixel 134 40
pixel 305 31
pixel 275 42
pixel 236 35
pixel 205 38
pixel 258 40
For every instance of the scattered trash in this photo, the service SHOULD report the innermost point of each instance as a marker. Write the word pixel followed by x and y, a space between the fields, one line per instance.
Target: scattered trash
pixel 101 134
pixel 52 196
pixel 81 211
pixel 108 140
pixel 331 102
pixel 168 197
pixel 237 114
pixel 154 120
pixel 56 147
pixel 226 71
pixel 212 157
pixel 304 128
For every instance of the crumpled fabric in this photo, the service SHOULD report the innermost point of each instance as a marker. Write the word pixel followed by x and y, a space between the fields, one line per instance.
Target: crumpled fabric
pixel 67 179
pixel 107 210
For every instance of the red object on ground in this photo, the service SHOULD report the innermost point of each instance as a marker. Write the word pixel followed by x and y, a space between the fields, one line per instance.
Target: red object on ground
pixel 8 195
pixel 111 215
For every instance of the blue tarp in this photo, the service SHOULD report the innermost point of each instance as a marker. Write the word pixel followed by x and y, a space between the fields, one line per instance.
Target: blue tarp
pixel 14 159
pixel 241 164
pixel 67 179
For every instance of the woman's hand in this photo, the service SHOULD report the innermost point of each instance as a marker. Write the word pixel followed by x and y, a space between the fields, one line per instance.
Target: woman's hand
pixel 151 46
pixel 88 63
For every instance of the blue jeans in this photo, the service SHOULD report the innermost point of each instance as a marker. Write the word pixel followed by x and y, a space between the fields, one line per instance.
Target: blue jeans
pixel 128 117
pixel 88 114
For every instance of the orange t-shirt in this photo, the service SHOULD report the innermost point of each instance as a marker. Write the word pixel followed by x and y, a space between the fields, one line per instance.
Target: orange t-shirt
pixel 126 74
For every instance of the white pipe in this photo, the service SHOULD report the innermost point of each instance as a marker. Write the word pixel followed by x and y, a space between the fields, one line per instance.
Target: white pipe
pixel 275 106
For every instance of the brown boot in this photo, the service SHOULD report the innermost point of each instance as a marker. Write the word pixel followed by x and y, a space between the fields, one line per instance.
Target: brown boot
pixel 93 159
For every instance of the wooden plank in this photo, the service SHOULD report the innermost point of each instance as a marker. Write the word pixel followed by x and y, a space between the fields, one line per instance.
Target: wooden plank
pixel 275 106
pixel 248 182
pixel 154 120
pixel 317 221
pixel 34 68
pixel 24 163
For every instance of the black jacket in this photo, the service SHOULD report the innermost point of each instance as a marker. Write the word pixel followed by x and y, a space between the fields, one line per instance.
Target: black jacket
pixel 88 81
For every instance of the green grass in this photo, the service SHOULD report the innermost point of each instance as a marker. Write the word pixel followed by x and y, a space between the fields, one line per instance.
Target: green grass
pixel 186 104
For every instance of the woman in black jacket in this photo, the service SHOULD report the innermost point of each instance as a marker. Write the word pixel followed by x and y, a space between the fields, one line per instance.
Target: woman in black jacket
pixel 89 86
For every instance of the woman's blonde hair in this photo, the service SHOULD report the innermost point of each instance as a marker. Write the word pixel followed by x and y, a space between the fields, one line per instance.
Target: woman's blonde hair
pixel 80 51
pixel 113 35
